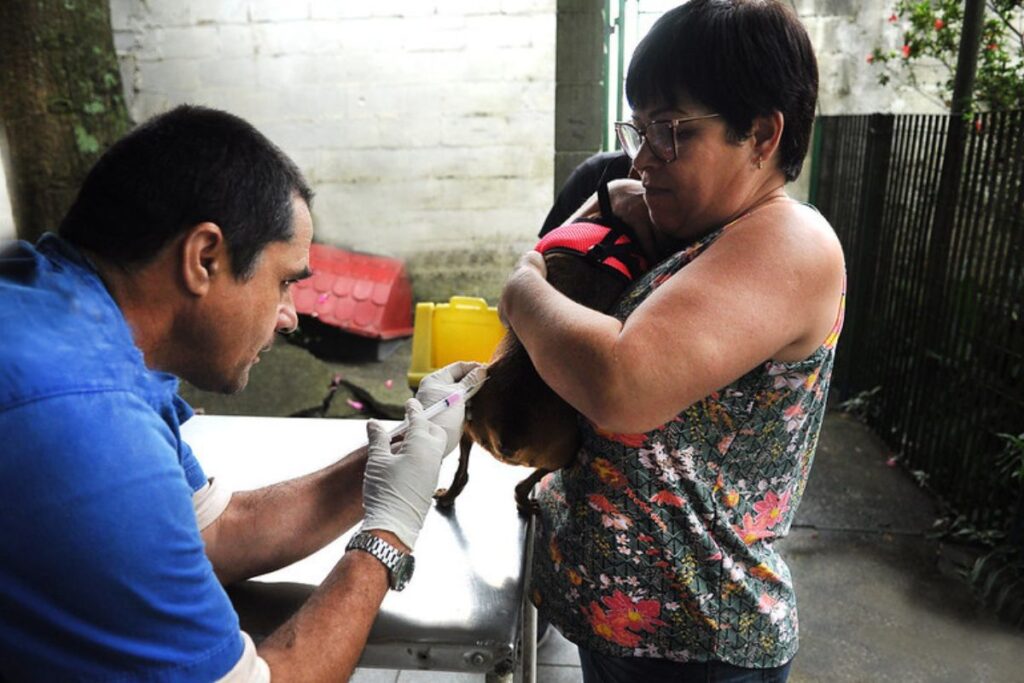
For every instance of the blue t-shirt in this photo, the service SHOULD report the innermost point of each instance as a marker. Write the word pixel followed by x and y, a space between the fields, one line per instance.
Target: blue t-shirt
pixel 102 569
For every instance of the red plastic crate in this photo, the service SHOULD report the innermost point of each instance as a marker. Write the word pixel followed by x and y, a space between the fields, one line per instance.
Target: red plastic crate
pixel 363 294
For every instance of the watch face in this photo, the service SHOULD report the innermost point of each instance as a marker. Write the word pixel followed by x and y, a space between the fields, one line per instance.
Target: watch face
pixel 403 572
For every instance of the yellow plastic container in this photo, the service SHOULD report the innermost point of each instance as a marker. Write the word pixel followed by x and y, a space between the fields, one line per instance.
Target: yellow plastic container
pixel 465 328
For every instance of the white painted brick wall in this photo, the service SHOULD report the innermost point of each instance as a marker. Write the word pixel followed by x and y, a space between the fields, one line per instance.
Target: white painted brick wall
pixel 422 125
pixel 843 33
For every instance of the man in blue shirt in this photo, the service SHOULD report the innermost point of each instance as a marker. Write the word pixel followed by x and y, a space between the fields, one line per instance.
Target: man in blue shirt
pixel 175 261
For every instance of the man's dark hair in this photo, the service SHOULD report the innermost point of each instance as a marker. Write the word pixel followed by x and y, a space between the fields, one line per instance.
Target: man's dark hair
pixel 181 168
pixel 740 58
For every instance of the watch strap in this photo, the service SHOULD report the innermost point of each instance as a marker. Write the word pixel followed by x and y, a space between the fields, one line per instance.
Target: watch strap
pixel 390 556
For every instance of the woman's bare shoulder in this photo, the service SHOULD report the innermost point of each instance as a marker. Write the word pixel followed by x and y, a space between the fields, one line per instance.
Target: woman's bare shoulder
pixel 787 232
pixel 786 256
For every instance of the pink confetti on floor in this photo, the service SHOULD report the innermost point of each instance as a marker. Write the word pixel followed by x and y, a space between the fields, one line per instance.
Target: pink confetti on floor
pixel 358 405
pixel 389 383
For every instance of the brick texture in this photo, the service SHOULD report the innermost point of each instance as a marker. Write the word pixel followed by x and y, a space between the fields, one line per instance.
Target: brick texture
pixel 426 127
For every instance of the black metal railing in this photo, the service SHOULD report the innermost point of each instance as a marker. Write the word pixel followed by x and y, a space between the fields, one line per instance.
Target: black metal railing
pixel 935 261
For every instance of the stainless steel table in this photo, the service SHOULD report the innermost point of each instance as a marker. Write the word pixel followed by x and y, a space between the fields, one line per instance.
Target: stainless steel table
pixel 465 609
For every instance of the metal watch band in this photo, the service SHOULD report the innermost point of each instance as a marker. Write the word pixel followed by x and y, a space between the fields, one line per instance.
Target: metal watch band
pixel 388 554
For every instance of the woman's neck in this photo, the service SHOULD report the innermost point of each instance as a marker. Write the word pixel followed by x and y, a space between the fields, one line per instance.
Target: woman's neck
pixel 666 245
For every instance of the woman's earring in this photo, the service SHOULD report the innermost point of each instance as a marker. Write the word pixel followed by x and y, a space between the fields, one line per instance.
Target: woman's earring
pixel 760 163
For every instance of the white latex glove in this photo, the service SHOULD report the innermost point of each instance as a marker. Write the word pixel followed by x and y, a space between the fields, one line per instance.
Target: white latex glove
pixel 398 486
pixel 439 385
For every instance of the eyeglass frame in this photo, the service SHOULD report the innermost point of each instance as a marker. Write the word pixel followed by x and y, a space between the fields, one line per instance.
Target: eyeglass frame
pixel 673 124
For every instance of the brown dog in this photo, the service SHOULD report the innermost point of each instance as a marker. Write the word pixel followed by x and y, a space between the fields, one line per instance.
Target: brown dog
pixel 516 416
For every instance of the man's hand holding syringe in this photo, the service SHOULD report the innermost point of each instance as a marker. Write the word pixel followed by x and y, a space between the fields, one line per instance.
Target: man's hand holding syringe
pixel 401 476
pixel 441 391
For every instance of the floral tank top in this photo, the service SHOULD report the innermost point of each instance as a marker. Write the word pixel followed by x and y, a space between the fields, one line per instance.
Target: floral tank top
pixel 661 544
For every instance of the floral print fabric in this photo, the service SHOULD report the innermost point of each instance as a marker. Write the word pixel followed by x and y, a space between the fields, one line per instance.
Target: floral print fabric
pixel 661 544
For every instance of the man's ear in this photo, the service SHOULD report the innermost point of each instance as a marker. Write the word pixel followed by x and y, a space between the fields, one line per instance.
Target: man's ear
pixel 203 255
pixel 766 134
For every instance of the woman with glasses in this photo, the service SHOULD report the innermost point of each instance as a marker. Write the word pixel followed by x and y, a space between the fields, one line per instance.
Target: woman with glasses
pixel 702 393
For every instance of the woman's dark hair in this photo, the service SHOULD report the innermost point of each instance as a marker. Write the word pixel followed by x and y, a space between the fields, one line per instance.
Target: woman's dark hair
pixel 740 58
pixel 181 168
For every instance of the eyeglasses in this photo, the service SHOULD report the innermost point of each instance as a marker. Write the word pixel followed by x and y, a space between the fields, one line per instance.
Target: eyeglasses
pixel 659 135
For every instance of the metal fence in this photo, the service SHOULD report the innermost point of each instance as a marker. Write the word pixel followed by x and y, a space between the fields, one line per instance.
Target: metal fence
pixel 935 261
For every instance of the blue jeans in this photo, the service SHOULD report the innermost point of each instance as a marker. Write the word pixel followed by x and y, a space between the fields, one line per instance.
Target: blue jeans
pixel 599 668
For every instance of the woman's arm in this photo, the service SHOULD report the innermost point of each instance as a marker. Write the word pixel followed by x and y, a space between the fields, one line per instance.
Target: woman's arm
pixel 768 288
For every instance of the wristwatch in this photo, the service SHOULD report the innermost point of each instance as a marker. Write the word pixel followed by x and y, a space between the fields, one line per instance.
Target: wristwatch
pixel 399 564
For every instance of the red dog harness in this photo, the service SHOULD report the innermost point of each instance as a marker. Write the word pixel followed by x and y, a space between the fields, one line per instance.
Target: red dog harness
pixel 607 241
pixel 599 243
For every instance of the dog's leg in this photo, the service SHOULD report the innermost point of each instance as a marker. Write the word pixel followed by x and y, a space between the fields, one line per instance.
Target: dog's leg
pixel 446 497
pixel 527 505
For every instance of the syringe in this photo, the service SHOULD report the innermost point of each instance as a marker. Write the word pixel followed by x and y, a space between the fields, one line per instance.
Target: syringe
pixel 460 395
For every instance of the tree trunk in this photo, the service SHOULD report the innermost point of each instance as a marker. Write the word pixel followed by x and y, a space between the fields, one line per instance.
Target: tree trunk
pixel 61 103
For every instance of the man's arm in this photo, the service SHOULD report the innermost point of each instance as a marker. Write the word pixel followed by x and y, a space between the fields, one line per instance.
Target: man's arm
pixel 324 639
pixel 274 526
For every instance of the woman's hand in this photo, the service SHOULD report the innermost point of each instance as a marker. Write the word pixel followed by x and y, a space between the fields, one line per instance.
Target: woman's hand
pixel 441 384
pixel 530 266
pixel 627 199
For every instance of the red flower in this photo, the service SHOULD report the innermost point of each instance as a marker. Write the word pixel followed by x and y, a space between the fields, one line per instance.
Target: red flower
pixel 870 58
pixel 939 24
pixel 607 473
pixel 554 552
pixel 667 498
pixel 765 573
pixel 611 518
pixel 602 504
pixel 893 18
pixel 992 47
pixel 771 508
pixel 607 629
pixel 977 125
pixel 639 615
pixel 906 51
pixel 753 530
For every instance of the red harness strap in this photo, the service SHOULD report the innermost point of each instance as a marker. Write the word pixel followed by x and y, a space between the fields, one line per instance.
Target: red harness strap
pixel 593 241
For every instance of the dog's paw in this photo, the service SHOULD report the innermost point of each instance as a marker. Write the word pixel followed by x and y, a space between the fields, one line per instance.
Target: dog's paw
pixel 444 498
pixel 527 506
